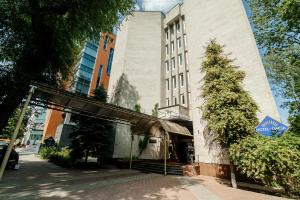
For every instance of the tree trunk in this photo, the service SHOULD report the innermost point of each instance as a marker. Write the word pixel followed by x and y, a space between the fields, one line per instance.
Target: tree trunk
pixel 86 156
pixel 232 175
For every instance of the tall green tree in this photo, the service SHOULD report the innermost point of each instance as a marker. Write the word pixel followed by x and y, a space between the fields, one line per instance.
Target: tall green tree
pixel 12 122
pixel 277 30
pixel 228 109
pixel 40 40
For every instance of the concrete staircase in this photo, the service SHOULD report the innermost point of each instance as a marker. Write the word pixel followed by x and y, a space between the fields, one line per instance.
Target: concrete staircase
pixel 157 167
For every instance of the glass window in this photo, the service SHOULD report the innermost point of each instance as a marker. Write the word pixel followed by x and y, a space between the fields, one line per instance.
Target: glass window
pixel 174 82
pixel 186 58
pixel 178 43
pixel 175 101
pixel 99 75
pixel 168 102
pixel 172 29
pixel 172 47
pixel 167 84
pixel 181 79
pixel 105 42
pixel 177 26
pixel 167 66
pixel 111 55
pixel 180 59
pixel 167 49
pixel 167 34
pixel 182 100
pixel 173 63
pixel 183 23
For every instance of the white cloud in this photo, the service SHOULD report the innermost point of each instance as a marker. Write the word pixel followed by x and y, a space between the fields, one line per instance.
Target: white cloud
pixel 159 5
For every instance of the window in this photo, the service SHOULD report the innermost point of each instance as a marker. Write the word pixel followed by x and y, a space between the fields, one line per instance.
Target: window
pixel 167 49
pixel 167 66
pixel 167 84
pixel 182 100
pixel 172 47
pixel 111 55
pixel 168 102
pixel 184 40
pixel 177 26
pixel 89 57
pixel 173 63
pixel 167 34
pixel 174 82
pixel 105 42
pixel 183 23
pixel 92 46
pixel 175 101
pixel 172 29
pixel 186 58
pixel 178 43
pixel 181 79
pixel 180 59
pixel 99 75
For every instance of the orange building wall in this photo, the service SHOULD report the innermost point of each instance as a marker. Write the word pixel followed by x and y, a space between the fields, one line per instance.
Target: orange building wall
pixel 53 119
pixel 102 59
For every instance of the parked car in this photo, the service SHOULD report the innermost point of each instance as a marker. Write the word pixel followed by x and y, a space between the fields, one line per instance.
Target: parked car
pixel 13 161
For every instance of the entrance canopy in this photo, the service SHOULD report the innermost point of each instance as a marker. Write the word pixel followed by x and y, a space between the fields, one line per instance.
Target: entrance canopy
pixel 58 99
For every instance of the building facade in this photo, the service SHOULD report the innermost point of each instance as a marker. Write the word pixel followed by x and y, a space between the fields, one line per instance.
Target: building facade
pixel 158 60
pixel 92 71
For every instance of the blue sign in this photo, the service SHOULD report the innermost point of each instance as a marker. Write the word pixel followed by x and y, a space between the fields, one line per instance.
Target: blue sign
pixel 271 127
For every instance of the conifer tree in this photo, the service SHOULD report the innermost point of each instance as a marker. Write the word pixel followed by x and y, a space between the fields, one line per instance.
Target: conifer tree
pixel 228 109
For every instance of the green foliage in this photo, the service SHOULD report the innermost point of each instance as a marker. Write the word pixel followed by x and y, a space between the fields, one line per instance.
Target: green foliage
pixel 12 122
pixel 155 110
pixel 47 152
pixel 271 161
pixel 137 108
pixel 143 143
pixel 60 157
pixel 41 40
pixel 100 94
pixel 277 29
pixel 228 109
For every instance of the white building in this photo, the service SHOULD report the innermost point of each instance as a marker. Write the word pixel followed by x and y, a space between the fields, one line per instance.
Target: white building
pixel 158 58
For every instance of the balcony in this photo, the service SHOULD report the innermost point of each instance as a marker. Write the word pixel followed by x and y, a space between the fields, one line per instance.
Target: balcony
pixel 174 113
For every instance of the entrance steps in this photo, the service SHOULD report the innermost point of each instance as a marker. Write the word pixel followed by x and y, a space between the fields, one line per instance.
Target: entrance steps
pixel 158 167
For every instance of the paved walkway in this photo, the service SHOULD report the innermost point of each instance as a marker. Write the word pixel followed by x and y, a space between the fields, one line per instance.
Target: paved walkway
pixel 38 179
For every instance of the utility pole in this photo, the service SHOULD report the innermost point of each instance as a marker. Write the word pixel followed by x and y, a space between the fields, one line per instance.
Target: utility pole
pixel 12 141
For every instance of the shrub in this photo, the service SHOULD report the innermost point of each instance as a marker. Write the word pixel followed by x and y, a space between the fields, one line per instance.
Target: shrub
pixel 47 152
pixel 271 161
pixel 61 158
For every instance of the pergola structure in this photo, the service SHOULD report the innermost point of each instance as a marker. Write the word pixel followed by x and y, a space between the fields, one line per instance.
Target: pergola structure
pixel 50 97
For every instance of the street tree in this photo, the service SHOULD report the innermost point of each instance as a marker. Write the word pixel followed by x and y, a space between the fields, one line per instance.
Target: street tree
pixel 41 40
pixel 229 111
pixel 277 30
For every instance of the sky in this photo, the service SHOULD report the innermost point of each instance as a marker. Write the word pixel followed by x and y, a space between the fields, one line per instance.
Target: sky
pixel 166 5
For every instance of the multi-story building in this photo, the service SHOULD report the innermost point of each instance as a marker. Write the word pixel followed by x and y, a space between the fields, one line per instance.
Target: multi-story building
pixel 158 60
pixel 93 70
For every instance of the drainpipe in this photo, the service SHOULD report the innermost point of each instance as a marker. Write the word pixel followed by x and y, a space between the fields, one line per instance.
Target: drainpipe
pixel 130 163
pixel 165 159
pixel 12 141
